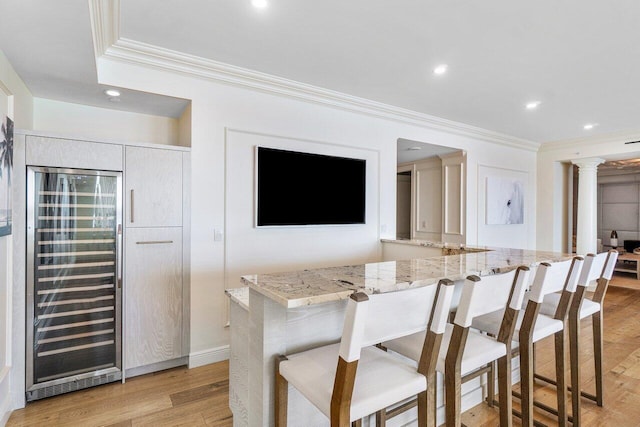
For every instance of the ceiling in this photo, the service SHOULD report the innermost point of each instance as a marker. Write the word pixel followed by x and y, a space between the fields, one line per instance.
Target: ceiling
pixel 412 151
pixel 581 60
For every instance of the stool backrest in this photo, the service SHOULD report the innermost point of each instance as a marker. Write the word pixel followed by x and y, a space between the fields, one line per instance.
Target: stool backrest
pixel 376 318
pixel 556 277
pixel 491 293
pixel 609 264
pixel 589 271
pixel 608 259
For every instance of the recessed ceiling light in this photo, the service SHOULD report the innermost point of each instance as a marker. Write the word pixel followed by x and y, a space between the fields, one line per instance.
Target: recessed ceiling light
pixel 590 126
pixel 532 105
pixel 112 92
pixel 259 4
pixel 440 69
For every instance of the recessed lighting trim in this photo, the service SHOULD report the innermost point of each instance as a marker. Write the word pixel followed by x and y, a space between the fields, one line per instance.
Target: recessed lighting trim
pixel 112 92
pixel 259 4
pixel 590 126
pixel 440 69
pixel 532 105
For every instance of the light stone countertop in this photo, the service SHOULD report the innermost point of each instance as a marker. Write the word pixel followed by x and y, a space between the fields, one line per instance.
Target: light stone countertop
pixel 319 285
pixel 239 296
pixel 447 248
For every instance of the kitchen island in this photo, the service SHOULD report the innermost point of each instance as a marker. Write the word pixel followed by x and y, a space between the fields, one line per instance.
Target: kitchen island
pixel 287 312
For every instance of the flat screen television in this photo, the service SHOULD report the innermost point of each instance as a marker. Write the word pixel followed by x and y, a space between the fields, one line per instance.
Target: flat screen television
pixel 295 189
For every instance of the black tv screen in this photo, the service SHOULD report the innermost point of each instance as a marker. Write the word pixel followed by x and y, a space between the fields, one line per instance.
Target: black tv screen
pixel 295 188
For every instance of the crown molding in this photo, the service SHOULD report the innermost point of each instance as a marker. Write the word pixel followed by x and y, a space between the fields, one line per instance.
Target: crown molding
pixel 105 15
pixel 615 137
pixel 105 24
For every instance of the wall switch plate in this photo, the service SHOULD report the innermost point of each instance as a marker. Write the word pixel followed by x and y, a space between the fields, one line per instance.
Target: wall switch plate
pixel 217 235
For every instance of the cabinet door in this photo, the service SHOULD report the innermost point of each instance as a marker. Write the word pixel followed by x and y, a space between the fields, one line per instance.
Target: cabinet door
pixel 153 195
pixel 72 153
pixel 153 295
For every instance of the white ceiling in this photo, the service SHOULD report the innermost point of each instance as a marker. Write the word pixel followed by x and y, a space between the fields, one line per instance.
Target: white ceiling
pixel 580 59
pixel 49 45
pixel 411 151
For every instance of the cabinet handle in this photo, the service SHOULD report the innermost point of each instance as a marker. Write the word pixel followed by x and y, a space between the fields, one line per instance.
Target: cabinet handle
pixel 154 242
pixel 131 217
pixel 119 256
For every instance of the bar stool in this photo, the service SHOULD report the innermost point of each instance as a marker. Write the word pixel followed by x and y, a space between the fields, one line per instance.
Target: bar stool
pixel 465 351
pixel 351 379
pixel 532 326
pixel 581 308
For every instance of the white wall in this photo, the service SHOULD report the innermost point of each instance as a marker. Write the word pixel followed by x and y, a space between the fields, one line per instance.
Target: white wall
pixel 16 102
pixel 303 246
pixel 220 113
pixel 83 121
pixel 552 194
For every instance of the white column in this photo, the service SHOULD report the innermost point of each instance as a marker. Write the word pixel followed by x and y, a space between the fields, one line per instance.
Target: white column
pixel 587 232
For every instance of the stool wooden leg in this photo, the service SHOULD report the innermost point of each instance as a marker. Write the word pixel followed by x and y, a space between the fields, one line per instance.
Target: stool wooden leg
pixel 597 355
pixel 526 383
pixel 453 376
pixel 574 337
pixel 281 396
pixel 422 409
pixel 504 390
pixel 430 406
pixel 453 404
pixel 491 384
pixel 561 378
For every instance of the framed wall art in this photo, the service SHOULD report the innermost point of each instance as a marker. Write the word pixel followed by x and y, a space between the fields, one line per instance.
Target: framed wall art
pixel 6 162
pixel 505 201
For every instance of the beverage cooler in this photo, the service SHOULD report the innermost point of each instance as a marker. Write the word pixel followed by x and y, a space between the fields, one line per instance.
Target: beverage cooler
pixel 74 247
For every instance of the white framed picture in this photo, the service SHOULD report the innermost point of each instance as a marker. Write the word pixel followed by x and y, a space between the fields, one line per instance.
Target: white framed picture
pixel 505 201
pixel 6 161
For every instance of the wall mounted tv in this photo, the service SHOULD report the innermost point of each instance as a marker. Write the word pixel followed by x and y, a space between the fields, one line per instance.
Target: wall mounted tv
pixel 295 189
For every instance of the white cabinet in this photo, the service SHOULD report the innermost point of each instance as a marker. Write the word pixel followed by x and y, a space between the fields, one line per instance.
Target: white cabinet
pixel 153 296
pixel 153 194
pixel 72 153
pixel 156 302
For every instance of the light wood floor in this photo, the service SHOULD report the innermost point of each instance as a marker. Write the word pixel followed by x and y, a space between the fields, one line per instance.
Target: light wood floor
pixel 198 397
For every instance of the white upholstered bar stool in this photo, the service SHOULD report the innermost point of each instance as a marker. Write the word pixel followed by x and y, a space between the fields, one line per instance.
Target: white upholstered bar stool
pixel 532 326
pixel 582 307
pixel 465 351
pixel 352 379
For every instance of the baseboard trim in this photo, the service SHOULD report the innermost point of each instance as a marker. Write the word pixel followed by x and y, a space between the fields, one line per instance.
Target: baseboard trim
pixel 5 396
pixel 206 357
pixel 5 417
pixel 155 367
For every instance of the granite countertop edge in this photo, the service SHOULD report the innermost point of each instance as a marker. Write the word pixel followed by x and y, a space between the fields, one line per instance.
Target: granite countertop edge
pixel 306 287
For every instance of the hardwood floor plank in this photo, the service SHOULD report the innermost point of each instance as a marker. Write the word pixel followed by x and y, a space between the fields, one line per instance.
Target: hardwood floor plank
pixel 198 393
pixel 126 423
